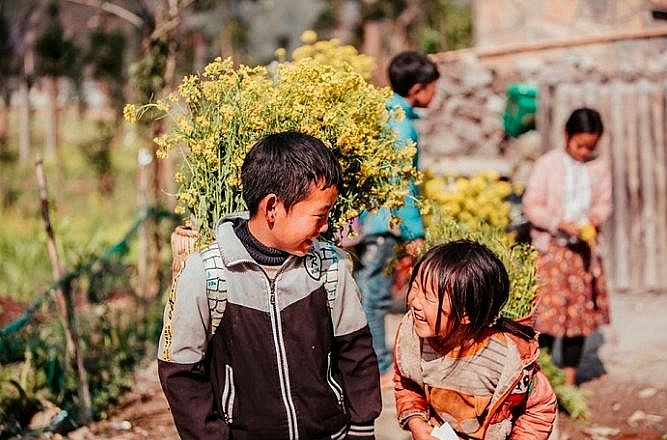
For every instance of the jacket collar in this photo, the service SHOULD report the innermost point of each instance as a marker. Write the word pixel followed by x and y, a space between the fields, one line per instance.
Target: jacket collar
pixel 399 101
pixel 231 248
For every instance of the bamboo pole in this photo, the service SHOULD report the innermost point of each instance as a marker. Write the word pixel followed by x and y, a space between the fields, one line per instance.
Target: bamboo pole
pixel 64 302
pixel 558 43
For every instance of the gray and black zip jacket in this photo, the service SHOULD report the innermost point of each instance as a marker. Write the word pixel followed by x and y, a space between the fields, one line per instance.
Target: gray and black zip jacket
pixel 285 361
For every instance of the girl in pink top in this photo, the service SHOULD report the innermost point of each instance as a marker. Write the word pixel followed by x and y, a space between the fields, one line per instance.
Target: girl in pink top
pixel 567 199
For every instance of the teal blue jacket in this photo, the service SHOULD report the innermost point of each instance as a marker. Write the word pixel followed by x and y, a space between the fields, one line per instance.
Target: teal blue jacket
pixel 411 226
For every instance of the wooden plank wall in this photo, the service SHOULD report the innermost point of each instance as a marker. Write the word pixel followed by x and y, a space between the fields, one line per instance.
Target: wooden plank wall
pixel 635 118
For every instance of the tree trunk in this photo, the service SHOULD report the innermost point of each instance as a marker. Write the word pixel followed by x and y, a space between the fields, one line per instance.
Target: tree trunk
pixel 372 46
pixel 349 17
pixel 24 121
pixel 51 126
pixel 4 123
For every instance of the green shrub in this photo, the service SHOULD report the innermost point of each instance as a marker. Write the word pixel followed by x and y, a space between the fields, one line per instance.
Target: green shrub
pixel 519 259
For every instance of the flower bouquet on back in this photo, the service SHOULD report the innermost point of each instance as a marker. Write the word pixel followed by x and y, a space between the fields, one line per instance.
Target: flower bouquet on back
pixel 216 116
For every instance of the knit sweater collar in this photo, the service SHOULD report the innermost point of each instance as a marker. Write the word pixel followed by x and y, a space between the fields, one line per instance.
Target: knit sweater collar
pixel 260 253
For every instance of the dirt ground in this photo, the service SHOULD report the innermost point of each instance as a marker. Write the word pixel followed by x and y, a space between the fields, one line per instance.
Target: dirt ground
pixel 630 402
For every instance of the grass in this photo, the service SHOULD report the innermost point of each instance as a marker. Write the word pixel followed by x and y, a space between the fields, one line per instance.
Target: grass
pixel 86 222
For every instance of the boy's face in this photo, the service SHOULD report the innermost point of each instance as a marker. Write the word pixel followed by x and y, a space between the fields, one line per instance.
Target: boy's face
pixel 294 231
pixel 422 94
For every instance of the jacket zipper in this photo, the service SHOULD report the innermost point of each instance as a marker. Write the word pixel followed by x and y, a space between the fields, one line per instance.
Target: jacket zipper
pixel 335 386
pixel 281 359
pixel 228 395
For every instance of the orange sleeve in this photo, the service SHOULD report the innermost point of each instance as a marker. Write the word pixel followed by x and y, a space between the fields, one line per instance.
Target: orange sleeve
pixel 537 421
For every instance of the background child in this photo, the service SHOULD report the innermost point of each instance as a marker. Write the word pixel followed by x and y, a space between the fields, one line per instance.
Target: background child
pixel 567 199
pixel 280 364
pixel 413 78
pixel 458 361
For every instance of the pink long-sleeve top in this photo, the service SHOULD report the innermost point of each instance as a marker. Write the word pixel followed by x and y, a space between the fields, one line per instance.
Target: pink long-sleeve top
pixel 544 198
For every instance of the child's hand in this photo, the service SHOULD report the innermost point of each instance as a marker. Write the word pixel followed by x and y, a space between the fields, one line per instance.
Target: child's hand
pixel 570 228
pixel 420 429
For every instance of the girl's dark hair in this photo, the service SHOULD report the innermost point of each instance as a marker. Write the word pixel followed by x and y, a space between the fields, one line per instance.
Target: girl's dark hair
pixel 477 284
pixel 409 68
pixel 584 120
pixel 287 164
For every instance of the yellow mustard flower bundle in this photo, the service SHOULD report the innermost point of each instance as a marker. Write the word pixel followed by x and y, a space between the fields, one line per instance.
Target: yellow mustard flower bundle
pixel 332 52
pixel 216 116
pixel 481 198
pixel 518 258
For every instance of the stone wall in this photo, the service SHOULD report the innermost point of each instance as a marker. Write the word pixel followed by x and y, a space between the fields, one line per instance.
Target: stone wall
pixel 540 42
pixel 462 131
pixel 498 22
pixel 622 75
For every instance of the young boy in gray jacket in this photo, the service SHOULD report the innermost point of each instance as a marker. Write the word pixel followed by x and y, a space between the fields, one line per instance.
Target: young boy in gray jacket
pixel 264 336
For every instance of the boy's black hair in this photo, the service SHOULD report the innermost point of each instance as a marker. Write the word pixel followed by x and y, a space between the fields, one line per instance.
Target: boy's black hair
pixel 477 284
pixel 287 164
pixel 409 68
pixel 584 120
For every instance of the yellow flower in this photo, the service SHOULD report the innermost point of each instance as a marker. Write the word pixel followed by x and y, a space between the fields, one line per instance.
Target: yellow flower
pixel 309 36
pixel 280 54
pixel 219 114
pixel 588 233
pixel 130 113
pixel 475 200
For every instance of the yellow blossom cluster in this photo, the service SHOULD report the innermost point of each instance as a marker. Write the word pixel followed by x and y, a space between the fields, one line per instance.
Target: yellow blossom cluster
pixel 518 258
pixel 331 52
pixel 588 233
pixel 477 208
pixel 471 200
pixel 216 116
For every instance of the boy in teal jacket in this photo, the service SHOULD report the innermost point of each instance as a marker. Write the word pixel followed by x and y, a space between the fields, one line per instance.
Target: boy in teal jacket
pixel 413 77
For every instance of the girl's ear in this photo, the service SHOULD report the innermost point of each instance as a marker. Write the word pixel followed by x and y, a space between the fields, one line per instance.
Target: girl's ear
pixel 465 320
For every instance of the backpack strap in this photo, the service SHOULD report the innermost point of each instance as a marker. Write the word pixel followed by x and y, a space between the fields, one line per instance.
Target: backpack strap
pixel 331 274
pixel 216 285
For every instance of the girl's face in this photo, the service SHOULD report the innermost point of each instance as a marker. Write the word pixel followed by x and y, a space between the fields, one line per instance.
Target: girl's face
pixel 423 304
pixel 581 146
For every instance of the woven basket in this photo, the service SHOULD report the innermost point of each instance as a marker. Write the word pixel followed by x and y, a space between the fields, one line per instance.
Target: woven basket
pixel 182 244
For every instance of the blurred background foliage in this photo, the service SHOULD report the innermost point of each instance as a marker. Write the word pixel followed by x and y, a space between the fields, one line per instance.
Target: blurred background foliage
pixel 66 69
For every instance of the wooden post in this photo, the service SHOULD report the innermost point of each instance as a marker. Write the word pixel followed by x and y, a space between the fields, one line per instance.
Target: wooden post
pixel 24 121
pixel 633 182
pixel 144 160
pixel 544 115
pixel 645 146
pixel 65 304
pixel 659 126
pixel 620 270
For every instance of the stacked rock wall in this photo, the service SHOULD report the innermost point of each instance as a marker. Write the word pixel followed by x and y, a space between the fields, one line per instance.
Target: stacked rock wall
pixel 462 131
